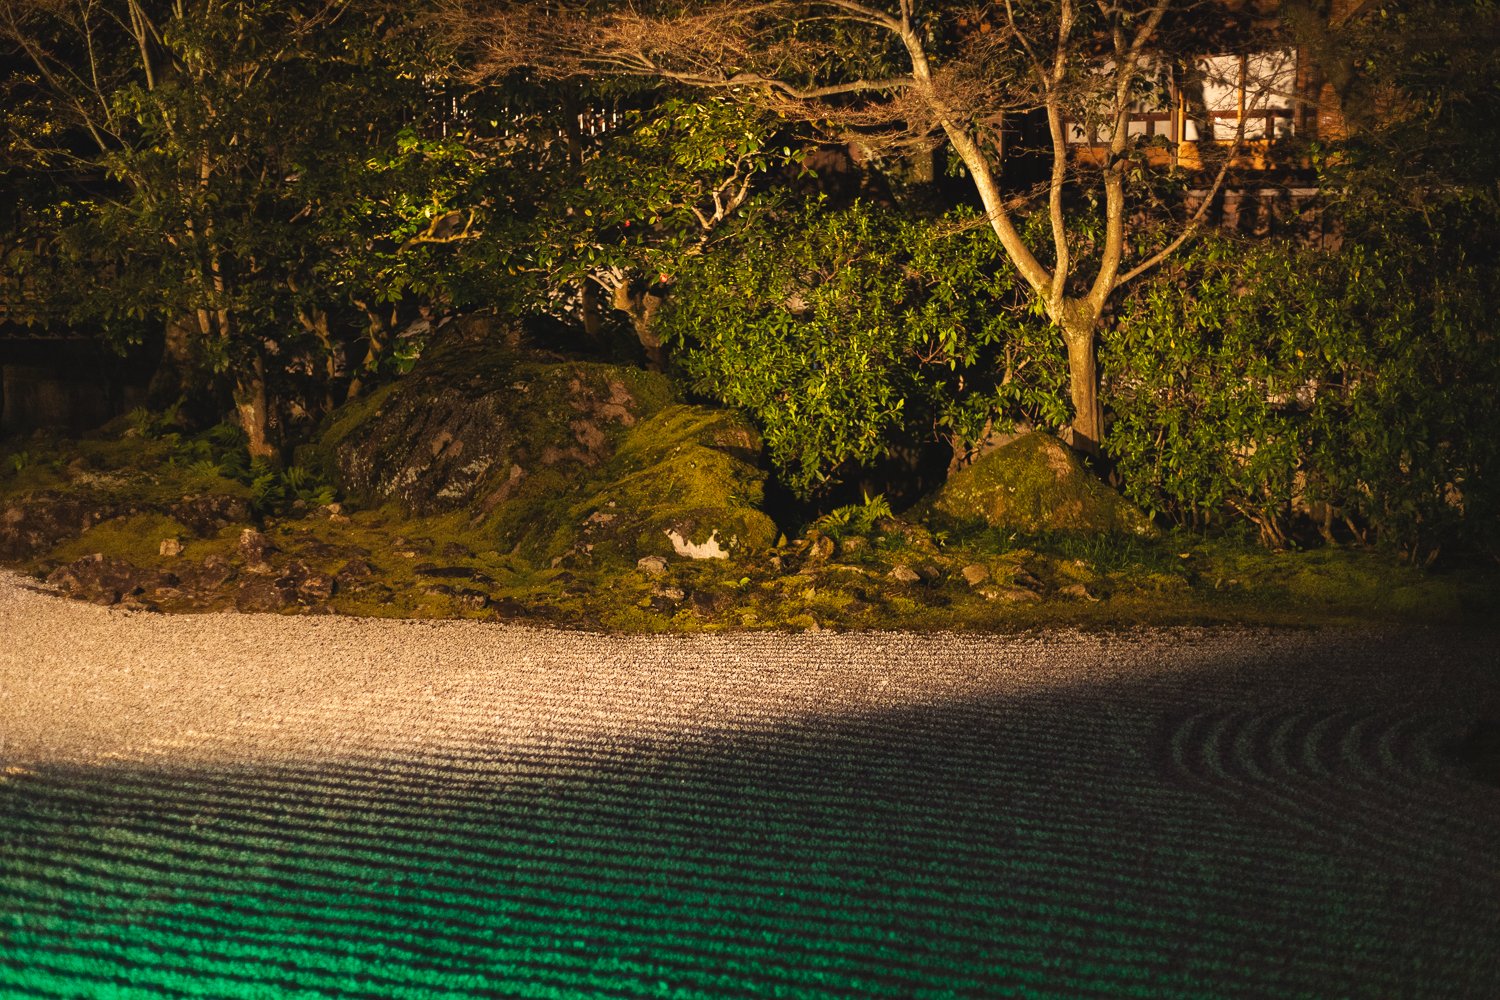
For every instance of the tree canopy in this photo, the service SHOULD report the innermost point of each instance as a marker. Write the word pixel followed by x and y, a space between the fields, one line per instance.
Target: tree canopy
pixel 300 191
pixel 913 74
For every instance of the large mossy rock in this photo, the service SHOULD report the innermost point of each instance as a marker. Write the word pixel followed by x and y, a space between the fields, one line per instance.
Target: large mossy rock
pixel 1035 484
pixel 473 426
pixel 683 483
pixel 560 461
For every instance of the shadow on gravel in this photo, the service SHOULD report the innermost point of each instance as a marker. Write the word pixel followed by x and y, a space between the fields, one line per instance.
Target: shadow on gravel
pixel 1479 751
pixel 1169 838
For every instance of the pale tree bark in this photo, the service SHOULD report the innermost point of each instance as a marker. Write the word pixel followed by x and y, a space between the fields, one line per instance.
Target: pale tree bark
pixel 1080 327
pixel 253 408
pixel 217 320
pixel 640 302
pixel 378 333
pixel 590 312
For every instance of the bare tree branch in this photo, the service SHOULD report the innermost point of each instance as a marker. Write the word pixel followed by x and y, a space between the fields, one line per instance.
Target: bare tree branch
pixel 1194 223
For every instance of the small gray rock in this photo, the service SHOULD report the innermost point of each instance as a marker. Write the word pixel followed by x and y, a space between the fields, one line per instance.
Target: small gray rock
pixel 255 546
pixel 315 588
pixel 105 579
pixel 205 516
pixel 820 547
pixel 652 565
pixel 208 578
pixel 261 594
pixel 1078 591
pixel 903 573
pixel 356 569
pixel 471 600
pixel 1010 595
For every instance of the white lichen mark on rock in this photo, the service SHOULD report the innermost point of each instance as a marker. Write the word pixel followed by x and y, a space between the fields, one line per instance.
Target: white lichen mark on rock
pixel 709 549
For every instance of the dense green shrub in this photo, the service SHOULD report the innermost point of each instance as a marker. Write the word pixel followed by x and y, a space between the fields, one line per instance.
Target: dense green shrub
pixel 1274 381
pixel 846 333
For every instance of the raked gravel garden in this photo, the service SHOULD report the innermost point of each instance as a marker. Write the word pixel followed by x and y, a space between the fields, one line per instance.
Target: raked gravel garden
pixel 248 805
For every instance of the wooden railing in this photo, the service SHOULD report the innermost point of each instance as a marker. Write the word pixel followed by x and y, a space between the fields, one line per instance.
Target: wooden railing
pixel 1260 124
pixel 1191 150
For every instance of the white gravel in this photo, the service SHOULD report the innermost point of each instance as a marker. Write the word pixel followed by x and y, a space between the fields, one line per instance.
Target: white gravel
pixel 81 684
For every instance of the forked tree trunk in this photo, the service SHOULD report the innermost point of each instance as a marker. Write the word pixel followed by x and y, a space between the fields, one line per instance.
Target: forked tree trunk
pixel 1077 318
pixel 640 303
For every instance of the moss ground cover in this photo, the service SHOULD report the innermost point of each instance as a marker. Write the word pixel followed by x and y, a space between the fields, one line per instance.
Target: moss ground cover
pixel 566 553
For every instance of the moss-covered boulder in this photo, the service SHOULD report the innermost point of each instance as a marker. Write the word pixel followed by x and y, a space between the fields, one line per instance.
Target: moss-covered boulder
pixel 474 425
pixel 1035 484
pixel 683 484
pixel 556 460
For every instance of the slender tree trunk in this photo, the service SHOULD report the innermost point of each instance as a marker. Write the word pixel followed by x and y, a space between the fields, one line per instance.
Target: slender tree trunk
pixel 315 322
pixel 375 344
pixel 656 353
pixel 588 293
pixel 1079 328
pixel 250 403
pixel 173 378
pixel 591 314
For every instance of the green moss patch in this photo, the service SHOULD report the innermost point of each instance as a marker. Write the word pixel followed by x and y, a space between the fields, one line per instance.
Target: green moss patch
pixel 137 538
pixel 682 484
pixel 1035 484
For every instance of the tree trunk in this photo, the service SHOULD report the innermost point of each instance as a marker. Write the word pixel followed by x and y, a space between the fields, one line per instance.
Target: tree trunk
pixel 588 293
pixel 593 318
pixel 253 410
pixel 1079 324
pixel 173 377
pixel 656 354
pixel 375 343
pixel 640 303
pixel 1078 318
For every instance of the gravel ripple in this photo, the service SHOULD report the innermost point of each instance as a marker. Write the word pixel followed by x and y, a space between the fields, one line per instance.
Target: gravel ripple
pixel 238 805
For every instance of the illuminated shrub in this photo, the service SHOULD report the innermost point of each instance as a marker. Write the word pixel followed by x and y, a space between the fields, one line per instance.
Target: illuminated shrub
pixel 1272 382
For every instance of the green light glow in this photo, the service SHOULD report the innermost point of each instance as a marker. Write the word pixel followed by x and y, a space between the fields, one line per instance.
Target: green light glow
pixel 984 850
